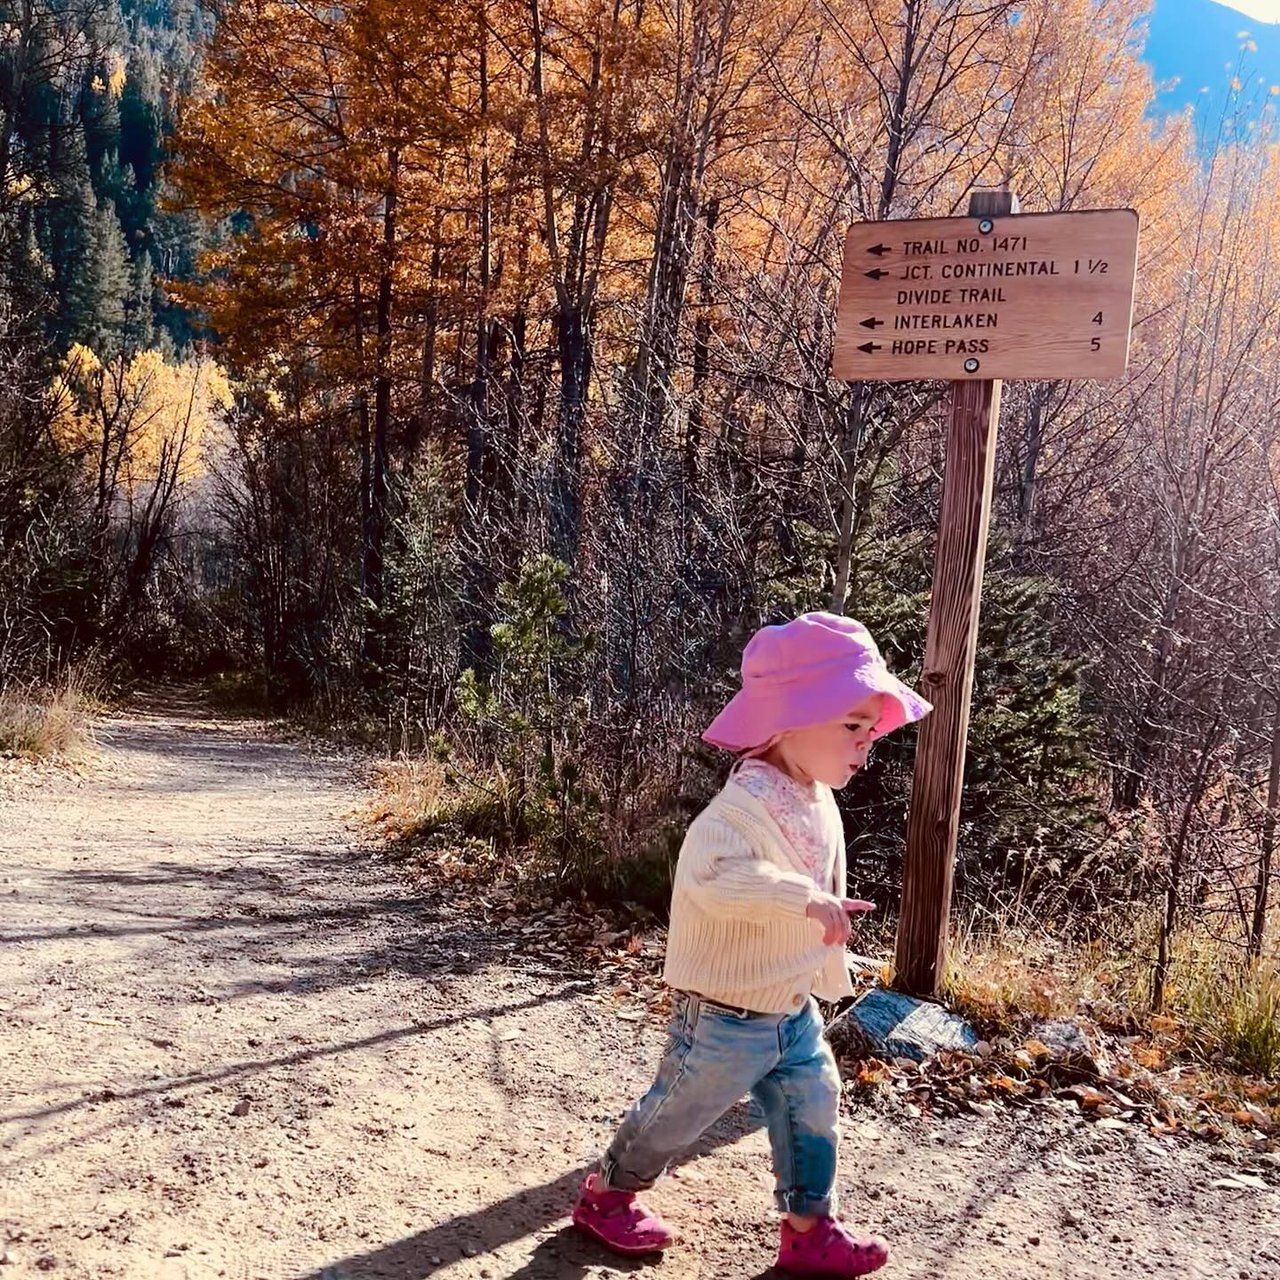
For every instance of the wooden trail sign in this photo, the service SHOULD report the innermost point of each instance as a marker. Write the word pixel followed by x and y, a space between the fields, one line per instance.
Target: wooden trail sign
pixel 974 300
pixel 983 297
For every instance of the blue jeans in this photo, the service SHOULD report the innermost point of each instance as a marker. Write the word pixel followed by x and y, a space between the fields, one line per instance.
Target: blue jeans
pixel 713 1057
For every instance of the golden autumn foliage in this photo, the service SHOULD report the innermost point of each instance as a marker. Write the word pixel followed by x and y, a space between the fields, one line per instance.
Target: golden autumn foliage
pixel 151 416
pixel 455 164
pixel 630 211
pixel 626 220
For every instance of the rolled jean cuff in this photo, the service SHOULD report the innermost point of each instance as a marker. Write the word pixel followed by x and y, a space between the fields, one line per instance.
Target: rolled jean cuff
pixel 804 1204
pixel 614 1179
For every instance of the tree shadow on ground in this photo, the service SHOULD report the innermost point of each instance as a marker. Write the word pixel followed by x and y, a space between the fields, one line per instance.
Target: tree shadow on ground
pixel 237 898
pixel 227 758
pixel 255 1066
pixel 407 937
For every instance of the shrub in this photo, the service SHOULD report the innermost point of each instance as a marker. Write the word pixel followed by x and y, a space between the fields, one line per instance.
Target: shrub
pixel 1233 1009
pixel 45 723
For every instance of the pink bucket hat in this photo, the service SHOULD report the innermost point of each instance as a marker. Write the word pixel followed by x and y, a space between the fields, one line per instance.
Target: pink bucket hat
pixel 808 672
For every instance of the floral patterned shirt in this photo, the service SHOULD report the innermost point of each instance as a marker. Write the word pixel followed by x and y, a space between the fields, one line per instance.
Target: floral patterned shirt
pixel 801 812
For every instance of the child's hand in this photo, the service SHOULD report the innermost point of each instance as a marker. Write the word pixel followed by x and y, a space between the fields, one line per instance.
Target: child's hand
pixel 833 914
pixel 829 912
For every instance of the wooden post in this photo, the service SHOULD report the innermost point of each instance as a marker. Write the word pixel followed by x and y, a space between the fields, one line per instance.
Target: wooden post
pixel 947 681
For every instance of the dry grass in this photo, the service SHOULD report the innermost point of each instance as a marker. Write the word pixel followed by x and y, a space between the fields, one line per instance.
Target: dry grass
pixel 1232 1009
pixel 1004 978
pixel 475 821
pixel 412 794
pixel 442 816
pixel 1218 1007
pixel 44 723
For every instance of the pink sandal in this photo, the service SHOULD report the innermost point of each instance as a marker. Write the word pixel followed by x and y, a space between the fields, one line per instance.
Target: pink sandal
pixel 828 1249
pixel 618 1222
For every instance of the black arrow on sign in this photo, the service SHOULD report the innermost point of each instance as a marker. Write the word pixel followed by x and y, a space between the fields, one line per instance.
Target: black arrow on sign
pixel 878 274
pixel 869 347
pixel 870 322
pixel 879 250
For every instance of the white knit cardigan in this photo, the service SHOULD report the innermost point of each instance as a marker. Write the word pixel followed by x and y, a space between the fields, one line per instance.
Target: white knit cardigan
pixel 739 934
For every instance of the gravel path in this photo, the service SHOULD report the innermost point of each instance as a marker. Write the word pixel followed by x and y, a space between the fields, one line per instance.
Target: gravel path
pixel 235 1043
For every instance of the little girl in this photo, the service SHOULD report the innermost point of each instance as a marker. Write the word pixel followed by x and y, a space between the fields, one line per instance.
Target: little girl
pixel 758 925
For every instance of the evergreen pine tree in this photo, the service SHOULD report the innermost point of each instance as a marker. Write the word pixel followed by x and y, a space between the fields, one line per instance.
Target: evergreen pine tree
pixel 112 281
pixel 140 143
pixel 28 277
pixel 100 282
pixel 72 233
pixel 140 330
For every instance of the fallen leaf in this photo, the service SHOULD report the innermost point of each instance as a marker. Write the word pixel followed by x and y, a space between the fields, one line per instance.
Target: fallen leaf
pixel 1088 1096
pixel 1251 1114
pixel 1008 1084
pixel 873 1072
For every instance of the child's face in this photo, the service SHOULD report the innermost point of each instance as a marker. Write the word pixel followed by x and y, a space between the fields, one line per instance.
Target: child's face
pixel 835 751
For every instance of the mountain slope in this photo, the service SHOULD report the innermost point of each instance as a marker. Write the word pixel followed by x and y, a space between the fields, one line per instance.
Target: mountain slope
pixel 1197 48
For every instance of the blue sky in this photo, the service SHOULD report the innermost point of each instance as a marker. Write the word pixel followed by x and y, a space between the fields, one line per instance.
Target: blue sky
pixel 1200 45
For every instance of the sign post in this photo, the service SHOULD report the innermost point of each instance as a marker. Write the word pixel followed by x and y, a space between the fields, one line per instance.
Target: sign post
pixel 973 300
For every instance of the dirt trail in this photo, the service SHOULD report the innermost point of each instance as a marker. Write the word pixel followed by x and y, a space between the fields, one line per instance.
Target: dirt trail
pixel 232 1043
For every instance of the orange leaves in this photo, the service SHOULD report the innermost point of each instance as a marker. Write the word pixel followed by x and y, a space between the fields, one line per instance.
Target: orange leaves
pixel 1008 1085
pixel 1037 1050
pixel 525 148
pixel 1251 1115
pixel 316 119
pixel 1051 1072
pixel 1150 1056
pixel 1090 1099
pixel 872 1072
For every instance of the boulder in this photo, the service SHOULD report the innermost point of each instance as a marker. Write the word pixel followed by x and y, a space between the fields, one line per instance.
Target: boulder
pixel 887 1024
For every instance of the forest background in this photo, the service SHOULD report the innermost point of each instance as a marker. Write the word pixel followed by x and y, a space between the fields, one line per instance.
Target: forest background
pixel 459 373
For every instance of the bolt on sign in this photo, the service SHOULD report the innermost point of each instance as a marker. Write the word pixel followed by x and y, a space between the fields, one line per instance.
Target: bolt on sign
pixel 1031 295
